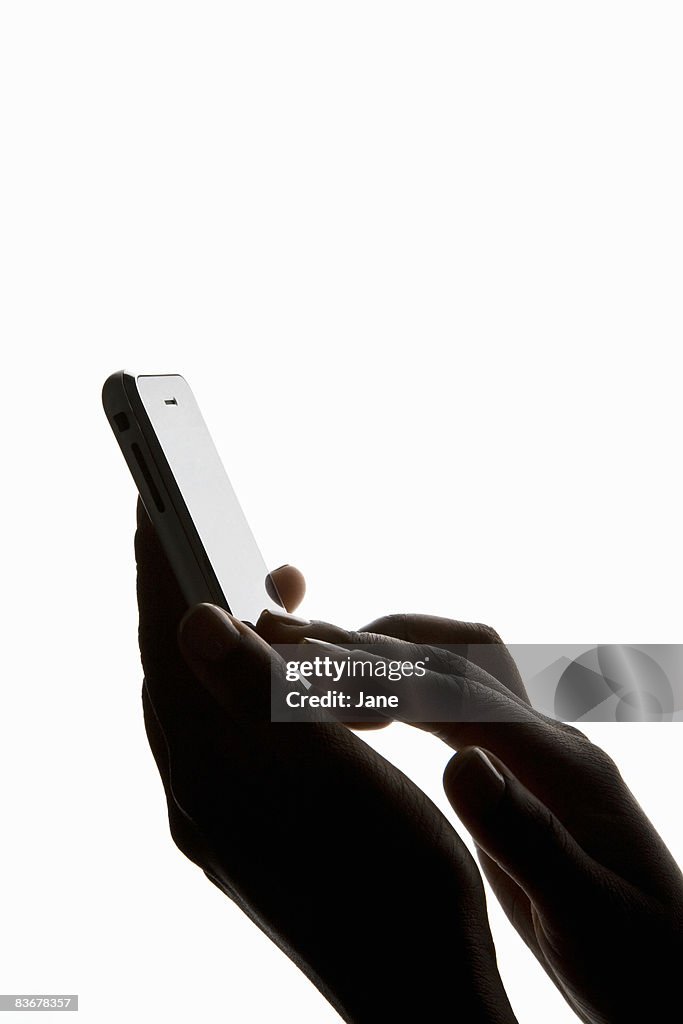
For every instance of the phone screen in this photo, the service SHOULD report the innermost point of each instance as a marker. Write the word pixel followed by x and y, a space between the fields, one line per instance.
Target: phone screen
pixel 207 492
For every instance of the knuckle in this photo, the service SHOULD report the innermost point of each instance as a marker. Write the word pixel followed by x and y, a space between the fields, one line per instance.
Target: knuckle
pixel 596 762
pixel 485 634
pixel 603 762
pixel 388 625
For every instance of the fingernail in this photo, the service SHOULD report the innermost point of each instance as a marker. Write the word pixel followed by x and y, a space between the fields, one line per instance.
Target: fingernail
pixel 286 618
pixel 473 777
pixel 321 645
pixel 208 633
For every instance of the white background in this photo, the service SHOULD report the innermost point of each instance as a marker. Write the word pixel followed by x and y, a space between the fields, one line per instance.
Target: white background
pixel 421 264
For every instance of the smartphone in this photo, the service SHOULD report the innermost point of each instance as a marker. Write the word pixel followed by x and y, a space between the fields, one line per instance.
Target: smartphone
pixel 187 493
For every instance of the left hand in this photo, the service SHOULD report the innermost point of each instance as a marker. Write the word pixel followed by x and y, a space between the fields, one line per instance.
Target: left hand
pixel 330 849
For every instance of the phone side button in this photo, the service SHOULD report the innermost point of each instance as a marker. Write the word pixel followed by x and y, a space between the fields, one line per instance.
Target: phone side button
pixel 144 469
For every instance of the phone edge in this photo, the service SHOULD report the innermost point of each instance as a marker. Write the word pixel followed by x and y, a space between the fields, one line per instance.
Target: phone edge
pixel 173 523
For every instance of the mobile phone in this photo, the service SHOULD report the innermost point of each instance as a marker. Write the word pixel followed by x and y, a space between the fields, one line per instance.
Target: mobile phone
pixel 187 493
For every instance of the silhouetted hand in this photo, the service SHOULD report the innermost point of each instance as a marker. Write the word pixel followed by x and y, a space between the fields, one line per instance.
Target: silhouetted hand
pixel 578 867
pixel 331 850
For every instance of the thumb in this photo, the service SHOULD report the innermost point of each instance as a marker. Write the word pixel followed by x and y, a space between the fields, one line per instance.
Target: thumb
pixel 229 659
pixel 517 830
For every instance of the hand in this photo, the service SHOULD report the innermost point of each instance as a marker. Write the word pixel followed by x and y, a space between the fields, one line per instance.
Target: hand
pixel 579 869
pixel 334 853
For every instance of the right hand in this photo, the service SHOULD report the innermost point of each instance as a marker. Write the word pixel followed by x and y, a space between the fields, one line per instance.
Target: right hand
pixel 579 869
